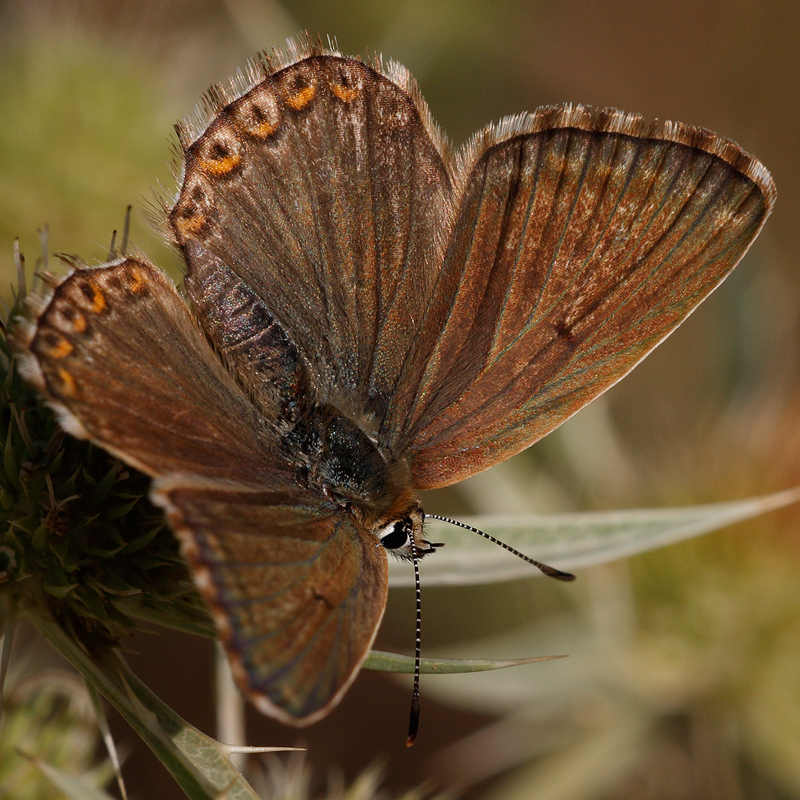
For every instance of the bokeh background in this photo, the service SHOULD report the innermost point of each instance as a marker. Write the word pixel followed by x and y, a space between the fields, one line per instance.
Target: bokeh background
pixel 684 675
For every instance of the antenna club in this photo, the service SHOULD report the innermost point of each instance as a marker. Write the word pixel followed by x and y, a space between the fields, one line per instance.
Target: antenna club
pixel 551 572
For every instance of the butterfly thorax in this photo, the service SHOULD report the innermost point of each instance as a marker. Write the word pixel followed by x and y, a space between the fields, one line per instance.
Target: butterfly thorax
pixel 332 455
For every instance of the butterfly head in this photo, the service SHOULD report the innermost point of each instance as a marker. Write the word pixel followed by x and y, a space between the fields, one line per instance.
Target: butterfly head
pixel 396 535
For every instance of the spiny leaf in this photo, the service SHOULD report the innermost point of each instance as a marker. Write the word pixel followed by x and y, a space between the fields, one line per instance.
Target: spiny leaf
pixel 393 662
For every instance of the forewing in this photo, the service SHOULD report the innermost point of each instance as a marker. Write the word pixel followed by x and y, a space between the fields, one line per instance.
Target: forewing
pixel 583 238
pixel 324 190
pixel 117 352
pixel 297 589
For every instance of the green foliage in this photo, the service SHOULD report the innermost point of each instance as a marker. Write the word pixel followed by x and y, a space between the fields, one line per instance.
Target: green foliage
pixel 48 718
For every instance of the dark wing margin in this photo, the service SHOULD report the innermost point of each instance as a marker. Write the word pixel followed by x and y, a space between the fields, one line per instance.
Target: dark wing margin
pixel 325 189
pixel 296 587
pixel 117 352
pixel 582 239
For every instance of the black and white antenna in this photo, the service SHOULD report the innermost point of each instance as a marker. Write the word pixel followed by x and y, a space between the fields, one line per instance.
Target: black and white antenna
pixel 551 572
pixel 413 722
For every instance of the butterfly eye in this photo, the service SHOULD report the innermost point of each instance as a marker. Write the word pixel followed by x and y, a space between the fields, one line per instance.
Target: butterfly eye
pixel 395 535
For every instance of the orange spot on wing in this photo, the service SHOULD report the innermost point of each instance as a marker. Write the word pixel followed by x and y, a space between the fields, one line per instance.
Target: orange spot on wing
pixel 98 301
pixel 189 226
pixel 301 99
pixel 220 166
pixel 262 129
pixel 136 281
pixel 68 386
pixel 61 350
pixel 78 322
pixel 343 93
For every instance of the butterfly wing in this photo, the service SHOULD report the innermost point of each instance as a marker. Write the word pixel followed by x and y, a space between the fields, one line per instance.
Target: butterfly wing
pixel 119 355
pixel 583 238
pixel 322 189
pixel 296 587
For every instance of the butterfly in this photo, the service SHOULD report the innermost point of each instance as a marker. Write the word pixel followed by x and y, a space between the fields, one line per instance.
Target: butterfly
pixel 371 314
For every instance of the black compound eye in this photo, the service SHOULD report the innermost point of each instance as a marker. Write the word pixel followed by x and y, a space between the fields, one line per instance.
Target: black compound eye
pixel 395 536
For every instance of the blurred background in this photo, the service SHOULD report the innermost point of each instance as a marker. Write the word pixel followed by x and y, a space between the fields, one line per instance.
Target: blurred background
pixel 684 673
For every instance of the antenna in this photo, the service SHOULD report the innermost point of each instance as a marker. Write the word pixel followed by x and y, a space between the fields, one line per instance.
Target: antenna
pixel 123 250
pixel 551 572
pixel 413 722
pixel 112 248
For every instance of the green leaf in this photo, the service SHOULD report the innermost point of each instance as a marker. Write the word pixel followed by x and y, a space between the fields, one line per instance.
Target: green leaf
pixel 569 541
pixel 10 463
pixel 73 787
pixel 200 765
pixel 393 662
pixel 142 541
pixel 59 590
pixel 122 509
pixel 176 614
pixel 104 485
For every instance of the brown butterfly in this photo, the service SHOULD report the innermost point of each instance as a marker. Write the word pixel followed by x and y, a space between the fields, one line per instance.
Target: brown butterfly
pixel 371 315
